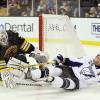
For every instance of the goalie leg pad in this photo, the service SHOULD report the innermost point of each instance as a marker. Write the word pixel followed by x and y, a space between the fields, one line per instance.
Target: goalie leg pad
pixel 8 79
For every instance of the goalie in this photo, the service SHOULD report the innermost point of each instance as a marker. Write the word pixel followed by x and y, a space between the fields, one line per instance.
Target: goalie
pixel 13 45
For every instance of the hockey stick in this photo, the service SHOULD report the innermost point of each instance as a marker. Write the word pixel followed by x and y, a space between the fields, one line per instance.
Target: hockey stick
pixel 24 84
pixel 43 80
pixel 40 64
pixel 29 84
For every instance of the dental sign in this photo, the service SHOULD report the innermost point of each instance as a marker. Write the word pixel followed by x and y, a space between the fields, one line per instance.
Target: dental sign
pixel 26 26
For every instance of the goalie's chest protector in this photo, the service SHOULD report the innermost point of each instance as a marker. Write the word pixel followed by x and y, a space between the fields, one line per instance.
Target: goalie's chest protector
pixel 87 72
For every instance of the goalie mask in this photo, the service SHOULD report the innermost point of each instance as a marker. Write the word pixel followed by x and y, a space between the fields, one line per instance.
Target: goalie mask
pixel 3 38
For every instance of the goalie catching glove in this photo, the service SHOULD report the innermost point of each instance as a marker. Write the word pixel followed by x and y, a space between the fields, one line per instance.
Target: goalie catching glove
pixel 11 51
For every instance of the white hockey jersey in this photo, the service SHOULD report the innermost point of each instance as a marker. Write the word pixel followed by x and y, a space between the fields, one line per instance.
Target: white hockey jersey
pixel 87 73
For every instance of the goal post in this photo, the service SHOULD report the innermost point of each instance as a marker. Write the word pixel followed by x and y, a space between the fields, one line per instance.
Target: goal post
pixel 57 36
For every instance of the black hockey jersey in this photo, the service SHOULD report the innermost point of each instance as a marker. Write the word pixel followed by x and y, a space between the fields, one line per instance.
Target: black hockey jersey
pixel 14 39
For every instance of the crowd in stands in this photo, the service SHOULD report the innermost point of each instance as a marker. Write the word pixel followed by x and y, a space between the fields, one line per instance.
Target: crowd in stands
pixel 45 6
pixel 19 7
pixel 72 8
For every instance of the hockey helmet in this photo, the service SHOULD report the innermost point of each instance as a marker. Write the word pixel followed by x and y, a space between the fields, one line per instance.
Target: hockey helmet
pixel 3 38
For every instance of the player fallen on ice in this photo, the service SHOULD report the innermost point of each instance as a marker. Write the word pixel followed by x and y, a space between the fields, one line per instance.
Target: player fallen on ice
pixel 75 73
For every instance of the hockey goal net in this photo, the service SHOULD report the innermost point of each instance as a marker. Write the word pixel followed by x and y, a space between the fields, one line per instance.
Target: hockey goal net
pixel 57 36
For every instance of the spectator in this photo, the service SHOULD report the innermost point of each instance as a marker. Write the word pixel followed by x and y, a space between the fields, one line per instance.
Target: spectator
pixel 93 12
pixel 41 8
pixel 98 11
pixel 66 8
pixel 51 6
pixel 14 8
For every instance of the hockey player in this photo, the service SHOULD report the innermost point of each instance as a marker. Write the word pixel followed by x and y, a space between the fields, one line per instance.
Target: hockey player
pixel 76 73
pixel 13 45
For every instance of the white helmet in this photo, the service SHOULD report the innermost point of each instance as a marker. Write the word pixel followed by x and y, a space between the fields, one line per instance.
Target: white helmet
pixel 3 38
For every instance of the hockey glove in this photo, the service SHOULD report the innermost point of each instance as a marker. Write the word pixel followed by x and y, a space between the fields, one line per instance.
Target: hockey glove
pixel 11 52
pixel 58 59
pixel 40 57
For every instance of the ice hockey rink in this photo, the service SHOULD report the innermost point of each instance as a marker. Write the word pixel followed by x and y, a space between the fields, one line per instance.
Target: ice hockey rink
pixel 47 93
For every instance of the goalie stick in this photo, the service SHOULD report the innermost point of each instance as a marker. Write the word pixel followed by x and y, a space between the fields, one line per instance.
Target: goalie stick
pixel 40 82
pixel 29 84
pixel 24 84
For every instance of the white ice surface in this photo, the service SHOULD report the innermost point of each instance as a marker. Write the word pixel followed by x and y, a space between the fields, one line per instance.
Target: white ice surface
pixel 46 93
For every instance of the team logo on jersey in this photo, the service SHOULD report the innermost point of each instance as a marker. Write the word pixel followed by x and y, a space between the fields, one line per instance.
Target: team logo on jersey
pixel 87 72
